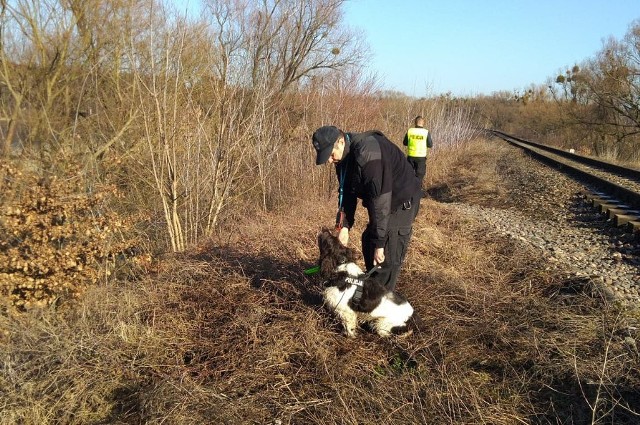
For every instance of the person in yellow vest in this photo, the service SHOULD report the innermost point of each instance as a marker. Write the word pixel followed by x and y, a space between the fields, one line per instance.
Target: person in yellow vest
pixel 417 140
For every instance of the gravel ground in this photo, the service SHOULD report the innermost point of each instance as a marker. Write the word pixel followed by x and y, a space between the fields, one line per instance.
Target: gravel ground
pixel 548 211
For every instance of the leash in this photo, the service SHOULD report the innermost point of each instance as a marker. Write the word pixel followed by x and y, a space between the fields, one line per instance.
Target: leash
pixel 370 272
pixel 343 175
pixel 340 213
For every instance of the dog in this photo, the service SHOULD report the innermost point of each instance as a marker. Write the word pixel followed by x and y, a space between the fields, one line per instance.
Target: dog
pixel 358 297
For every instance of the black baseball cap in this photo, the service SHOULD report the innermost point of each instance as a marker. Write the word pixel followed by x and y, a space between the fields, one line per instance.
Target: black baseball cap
pixel 323 140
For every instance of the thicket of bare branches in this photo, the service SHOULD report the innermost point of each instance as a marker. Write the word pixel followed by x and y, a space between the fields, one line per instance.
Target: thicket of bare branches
pixel 195 119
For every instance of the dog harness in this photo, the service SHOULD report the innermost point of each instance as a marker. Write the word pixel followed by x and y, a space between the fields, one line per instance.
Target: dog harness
pixel 359 283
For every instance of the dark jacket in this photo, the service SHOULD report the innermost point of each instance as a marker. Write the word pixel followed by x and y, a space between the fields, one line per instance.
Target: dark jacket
pixel 376 171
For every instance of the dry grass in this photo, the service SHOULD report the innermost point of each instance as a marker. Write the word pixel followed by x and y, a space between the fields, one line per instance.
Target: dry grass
pixel 234 332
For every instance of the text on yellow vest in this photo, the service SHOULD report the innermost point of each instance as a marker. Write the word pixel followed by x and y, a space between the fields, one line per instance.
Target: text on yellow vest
pixel 417 143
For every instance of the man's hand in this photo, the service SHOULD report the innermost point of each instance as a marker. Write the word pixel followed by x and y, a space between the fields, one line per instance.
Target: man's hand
pixel 343 236
pixel 378 256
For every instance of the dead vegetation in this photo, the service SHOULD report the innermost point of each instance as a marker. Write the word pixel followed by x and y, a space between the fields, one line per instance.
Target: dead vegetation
pixel 204 125
pixel 234 332
pixel 56 240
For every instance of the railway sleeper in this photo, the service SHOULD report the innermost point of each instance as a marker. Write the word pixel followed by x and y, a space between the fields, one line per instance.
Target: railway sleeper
pixel 620 214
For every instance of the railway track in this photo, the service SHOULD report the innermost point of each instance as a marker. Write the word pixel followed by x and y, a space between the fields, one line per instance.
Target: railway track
pixel 612 189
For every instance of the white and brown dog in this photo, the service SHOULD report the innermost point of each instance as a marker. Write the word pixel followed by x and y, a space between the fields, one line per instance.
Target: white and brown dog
pixel 357 297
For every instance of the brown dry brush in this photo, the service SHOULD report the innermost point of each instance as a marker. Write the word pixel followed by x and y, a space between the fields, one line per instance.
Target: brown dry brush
pixel 233 332
pixel 237 334
pixel 56 238
pixel 499 344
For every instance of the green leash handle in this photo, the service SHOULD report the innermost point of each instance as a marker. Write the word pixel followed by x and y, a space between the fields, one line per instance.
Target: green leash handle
pixel 312 270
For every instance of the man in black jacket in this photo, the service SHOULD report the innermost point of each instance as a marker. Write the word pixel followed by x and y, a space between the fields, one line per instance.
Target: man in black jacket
pixel 372 168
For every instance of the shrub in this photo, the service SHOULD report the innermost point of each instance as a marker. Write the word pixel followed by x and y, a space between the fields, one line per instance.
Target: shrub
pixel 56 239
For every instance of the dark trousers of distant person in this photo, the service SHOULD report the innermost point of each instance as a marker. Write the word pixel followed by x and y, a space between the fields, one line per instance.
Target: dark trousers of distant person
pixel 399 231
pixel 419 165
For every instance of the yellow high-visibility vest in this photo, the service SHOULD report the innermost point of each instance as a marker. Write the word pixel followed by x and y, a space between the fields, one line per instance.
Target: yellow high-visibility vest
pixel 417 142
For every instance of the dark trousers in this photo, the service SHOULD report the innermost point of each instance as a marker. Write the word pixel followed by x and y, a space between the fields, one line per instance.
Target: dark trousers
pixel 419 165
pixel 399 233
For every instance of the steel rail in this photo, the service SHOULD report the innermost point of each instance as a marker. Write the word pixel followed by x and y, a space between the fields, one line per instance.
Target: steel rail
pixel 624 197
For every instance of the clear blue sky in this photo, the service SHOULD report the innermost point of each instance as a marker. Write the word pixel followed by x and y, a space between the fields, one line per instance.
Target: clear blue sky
pixel 470 47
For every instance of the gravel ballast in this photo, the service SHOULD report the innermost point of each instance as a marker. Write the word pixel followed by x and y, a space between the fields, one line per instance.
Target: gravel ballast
pixel 548 211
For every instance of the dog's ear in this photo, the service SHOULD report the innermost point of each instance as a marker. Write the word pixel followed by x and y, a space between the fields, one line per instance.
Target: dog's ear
pixel 351 254
pixel 328 265
pixel 324 230
pixel 327 242
pixel 330 245
pixel 324 234
pixel 328 252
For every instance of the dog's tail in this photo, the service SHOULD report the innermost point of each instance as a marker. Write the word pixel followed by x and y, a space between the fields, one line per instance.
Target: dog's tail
pixel 415 323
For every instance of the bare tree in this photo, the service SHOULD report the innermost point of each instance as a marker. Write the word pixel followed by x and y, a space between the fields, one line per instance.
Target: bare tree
pixel 283 41
pixel 36 48
pixel 603 96
pixel 210 113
